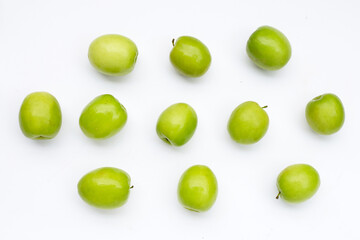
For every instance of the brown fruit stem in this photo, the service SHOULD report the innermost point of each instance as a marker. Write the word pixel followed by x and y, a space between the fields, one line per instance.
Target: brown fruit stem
pixel 277 197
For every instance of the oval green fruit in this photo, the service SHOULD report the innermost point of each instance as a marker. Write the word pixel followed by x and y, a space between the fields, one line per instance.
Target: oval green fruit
pixel 40 116
pixel 105 187
pixel 198 188
pixel 325 114
pixel 248 123
pixel 177 124
pixel 103 117
pixel 298 183
pixel 268 48
pixel 113 54
pixel 190 56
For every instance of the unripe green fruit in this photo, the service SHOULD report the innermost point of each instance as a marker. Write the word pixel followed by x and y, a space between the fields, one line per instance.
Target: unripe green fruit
pixel 40 116
pixel 177 124
pixel 113 54
pixel 268 48
pixel 298 183
pixel 103 117
pixel 248 123
pixel 325 114
pixel 197 188
pixel 105 187
pixel 190 56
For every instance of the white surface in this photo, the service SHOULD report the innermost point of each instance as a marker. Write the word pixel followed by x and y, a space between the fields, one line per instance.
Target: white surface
pixel 43 46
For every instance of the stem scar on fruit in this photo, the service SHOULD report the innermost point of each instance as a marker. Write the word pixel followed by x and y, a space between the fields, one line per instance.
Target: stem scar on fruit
pixel 166 140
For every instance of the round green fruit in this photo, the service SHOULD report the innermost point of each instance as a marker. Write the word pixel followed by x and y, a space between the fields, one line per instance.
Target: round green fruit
pixel 113 54
pixel 103 117
pixel 325 114
pixel 268 48
pixel 190 56
pixel 248 123
pixel 197 188
pixel 177 124
pixel 40 116
pixel 298 183
pixel 105 187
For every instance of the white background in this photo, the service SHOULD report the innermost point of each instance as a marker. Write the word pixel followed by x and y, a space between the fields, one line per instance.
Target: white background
pixel 43 47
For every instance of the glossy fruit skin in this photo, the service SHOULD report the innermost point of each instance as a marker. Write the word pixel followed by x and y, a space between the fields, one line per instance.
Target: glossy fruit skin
pixel 103 117
pixel 177 124
pixel 40 116
pixel 113 54
pixel 325 114
pixel 248 123
pixel 190 56
pixel 268 48
pixel 198 188
pixel 297 183
pixel 105 187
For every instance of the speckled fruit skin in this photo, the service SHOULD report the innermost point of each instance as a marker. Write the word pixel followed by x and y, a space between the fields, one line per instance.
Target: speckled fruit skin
pixel 248 123
pixel 40 116
pixel 297 183
pixel 268 48
pixel 177 124
pixel 198 188
pixel 190 56
pixel 325 114
pixel 113 54
pixel 105 187
pixel 103 117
